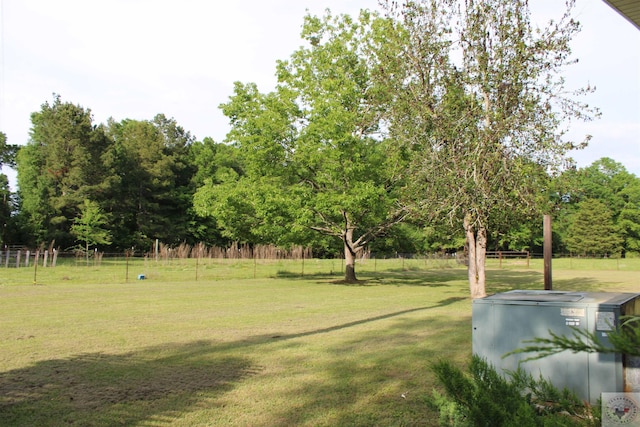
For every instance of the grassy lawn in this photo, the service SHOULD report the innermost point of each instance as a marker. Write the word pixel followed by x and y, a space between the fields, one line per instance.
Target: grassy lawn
pixel 239 343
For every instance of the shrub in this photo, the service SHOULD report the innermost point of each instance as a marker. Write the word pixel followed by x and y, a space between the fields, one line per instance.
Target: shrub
pixel 482 397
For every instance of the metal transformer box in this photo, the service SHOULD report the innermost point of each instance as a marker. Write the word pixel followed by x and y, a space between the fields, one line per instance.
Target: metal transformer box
pixel 502 322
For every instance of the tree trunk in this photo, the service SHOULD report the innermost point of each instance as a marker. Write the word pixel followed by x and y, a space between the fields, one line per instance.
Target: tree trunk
pixel 477 249
pixel 349 258
pixel 350 265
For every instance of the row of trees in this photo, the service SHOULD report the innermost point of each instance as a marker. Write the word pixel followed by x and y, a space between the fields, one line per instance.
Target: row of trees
pixel 435 125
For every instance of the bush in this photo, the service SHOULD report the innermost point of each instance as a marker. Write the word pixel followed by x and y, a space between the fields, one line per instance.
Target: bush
pixel 482 397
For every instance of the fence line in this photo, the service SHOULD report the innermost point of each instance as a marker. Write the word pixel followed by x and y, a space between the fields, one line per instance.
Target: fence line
pixel 120 269
pixel 16 257
pixel 24 257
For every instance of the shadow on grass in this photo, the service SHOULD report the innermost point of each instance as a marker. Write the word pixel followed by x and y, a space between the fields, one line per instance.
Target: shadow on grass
pixel 498 280
pixel 157 384
pixel 442 303
pixel 432 278
pixel 311 276
pixel 396 277
pixel 382 377
pixel 100 389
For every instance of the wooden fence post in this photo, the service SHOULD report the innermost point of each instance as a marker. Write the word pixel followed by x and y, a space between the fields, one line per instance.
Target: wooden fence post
pixel 547 248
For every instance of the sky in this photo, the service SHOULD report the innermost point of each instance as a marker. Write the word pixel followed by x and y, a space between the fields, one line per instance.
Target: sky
pixel 137 58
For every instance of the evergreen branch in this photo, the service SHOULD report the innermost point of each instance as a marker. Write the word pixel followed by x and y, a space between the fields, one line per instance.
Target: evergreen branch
pixel 625 339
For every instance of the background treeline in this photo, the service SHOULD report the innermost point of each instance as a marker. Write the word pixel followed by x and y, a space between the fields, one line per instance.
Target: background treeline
pixel 377 137
pixel 143 175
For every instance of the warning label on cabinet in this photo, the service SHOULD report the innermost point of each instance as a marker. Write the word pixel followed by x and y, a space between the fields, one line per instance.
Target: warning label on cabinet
pixel 605 321
pixel 572 312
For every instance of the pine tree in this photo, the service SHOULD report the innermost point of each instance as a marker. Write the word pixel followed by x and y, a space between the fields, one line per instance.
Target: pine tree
pixel 592 230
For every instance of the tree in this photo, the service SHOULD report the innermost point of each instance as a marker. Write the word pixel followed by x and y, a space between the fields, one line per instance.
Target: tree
pixel 214 163
pixel 8 152
pixel 592 230
pixel 60 166
pixel 312 151
pixel 7 157
pixel 89 227
pixel 481 103
pixel 609 182
pixel 629 218
pixel 5 208
pixel 149 181
pixel 139 172
pixel 604 180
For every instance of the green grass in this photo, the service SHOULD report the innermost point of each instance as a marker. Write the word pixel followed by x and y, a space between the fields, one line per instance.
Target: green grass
pixel 246 344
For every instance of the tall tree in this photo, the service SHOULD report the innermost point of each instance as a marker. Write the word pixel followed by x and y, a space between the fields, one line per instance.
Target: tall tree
pixel 5 208
pixel 8 152
pixel 592 230
pixel 7 158
pixel 604 180
pixel 312 149
pixel 149 181
pixel 58 168
pixel 629 218
pixel 482 103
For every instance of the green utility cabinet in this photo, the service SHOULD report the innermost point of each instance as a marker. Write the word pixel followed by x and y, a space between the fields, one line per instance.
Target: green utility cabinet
pixel 503 322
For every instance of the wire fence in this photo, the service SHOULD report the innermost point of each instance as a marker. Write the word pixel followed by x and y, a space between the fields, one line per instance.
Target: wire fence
pixel 238 262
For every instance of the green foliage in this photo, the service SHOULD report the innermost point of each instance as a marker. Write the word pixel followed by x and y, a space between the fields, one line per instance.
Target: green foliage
pixel 482 129
pixel 5 207
pixel 625 339
pixel 482 397
pixel 311 150
pixel 59 168
pixel 89 227
pixel 629 218
pixel 526 236
pixel 138 172
pixel 592 230
pixel 150 182
pixel 251 211
pixel 7 202
pixel 609 183
pixel 412 238
pixel 8 152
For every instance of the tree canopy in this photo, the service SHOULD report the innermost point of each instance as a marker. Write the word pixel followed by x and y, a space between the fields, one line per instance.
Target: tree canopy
pixel 592 230
pixel 483 108
pixel 7 158
pixel 59 168
pixel 313 152
pixel 89 227
pixel 138 172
